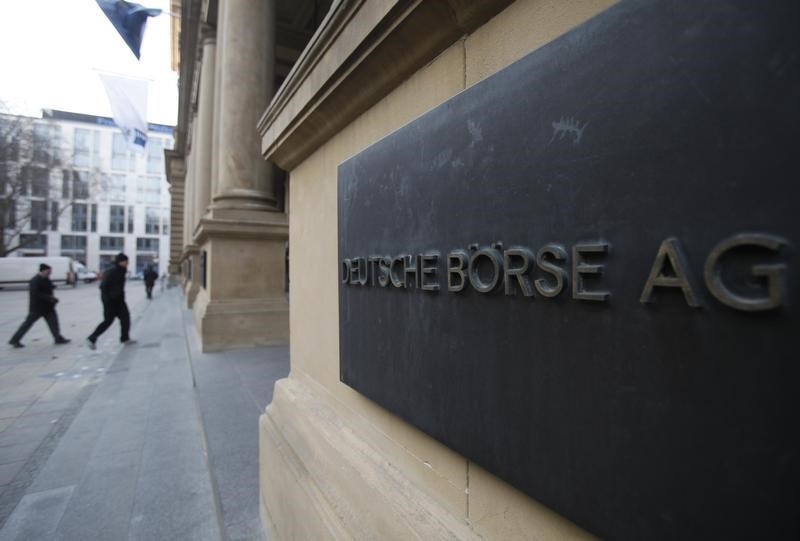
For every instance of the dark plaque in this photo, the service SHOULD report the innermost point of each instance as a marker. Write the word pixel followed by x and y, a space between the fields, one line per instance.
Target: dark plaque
pixel 581 272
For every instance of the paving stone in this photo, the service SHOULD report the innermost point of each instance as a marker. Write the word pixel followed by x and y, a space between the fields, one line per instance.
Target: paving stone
pixel 35 419
pixel 68 461
pixel 21 435
pixel 12 412
pixel 100 506
pixel 8 471
pixel 37 515
pixel 21 451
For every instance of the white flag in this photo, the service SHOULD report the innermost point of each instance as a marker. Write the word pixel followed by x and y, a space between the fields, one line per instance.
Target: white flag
pixel 128 99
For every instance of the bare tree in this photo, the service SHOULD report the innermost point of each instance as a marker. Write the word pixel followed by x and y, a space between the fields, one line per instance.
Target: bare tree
pixel 33 180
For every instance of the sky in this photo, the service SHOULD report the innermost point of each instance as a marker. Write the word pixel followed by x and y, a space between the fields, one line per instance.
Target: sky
pixel 52 50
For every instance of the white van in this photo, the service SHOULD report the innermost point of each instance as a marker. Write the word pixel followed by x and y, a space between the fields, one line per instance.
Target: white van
pixel 20 270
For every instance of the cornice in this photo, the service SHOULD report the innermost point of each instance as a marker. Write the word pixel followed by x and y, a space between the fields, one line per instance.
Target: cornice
pixel 360 53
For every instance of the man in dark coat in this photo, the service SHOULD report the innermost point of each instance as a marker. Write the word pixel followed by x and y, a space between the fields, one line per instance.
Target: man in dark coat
pixel 149 281
pixel 42 303
pixel 112 293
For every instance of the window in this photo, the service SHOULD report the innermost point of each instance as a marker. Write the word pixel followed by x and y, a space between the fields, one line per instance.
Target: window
pixel 74 246
pixel 152 217
pixel 79 216
pixel 149 190
pixel 106 262
pixel 23 180
pixel 146 260
pixel 9 140
pixel 38 215
pixel 4 173
pixel 93 219
pixel 130 219
pixel 146 244
pixel 44 144
pixel 121 157
pixel 155 155
pixel 33 242
pixel 66 182
pixel 116 219
pixel 54 216
pixel 116 244
pixel 116 187
pixel 82 148
pixel 165 221
pixel 39 181
pixel 11 209
pixel 80 185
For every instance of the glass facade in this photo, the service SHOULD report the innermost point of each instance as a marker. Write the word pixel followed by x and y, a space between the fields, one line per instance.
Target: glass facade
pixel 116 219
pixel 74 246
pixel 79 216
pixel 38 215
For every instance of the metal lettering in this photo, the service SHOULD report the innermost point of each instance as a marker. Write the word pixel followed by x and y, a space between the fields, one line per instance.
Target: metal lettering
pixel 384 264
pixel 774 273
pixel 456 262
pixel 398 280
pixel 559 253
pixel 579 268
pixel 345 271
pixel 354 271
pixel 670 250
pixel 411 266
pixel 428 264
pixel 363 271
pixel 523 281
pixel 495 260
pixel 372 263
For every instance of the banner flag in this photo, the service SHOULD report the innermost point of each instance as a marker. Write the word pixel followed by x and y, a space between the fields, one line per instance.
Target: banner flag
pixel 129 19
pixel 128 99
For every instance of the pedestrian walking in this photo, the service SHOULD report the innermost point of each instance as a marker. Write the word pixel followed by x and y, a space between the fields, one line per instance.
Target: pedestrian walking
pixel 149 281
pixel 42 303
pixel 112 293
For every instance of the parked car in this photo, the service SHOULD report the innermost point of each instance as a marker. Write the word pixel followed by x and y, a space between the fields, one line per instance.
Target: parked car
pixel 84 274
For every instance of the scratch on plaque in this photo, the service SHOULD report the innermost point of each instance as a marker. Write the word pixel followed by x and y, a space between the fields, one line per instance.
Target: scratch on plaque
pixel 475 131
pixel 568 126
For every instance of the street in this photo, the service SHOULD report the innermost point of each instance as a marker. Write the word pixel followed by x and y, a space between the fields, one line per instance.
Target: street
pixel 40 384
pixel 148 441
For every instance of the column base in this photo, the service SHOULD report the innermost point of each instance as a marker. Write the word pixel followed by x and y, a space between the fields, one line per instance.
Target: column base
pixel 240 323
pixel 191 284
pixel 243 199
pixel 174 276
pixel 322 476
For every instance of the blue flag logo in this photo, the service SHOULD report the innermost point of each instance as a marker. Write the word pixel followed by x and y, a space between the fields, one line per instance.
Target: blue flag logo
pixel 129 19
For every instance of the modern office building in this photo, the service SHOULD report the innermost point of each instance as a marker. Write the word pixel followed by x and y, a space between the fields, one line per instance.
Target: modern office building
pixel 84 193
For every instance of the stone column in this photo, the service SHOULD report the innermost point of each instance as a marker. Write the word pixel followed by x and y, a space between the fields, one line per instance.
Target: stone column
pixel 188 196
pixel 247 74
pixel 176 173
pixel 205 124
pixel 220 45
pixel 190 220
pixel 243 304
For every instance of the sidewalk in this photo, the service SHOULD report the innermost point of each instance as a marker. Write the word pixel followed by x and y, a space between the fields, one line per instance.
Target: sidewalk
pixel 165 446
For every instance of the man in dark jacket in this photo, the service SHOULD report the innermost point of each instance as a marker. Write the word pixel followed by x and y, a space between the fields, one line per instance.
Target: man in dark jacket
pixel 112 293
pixel 149 281
pixel 42 303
